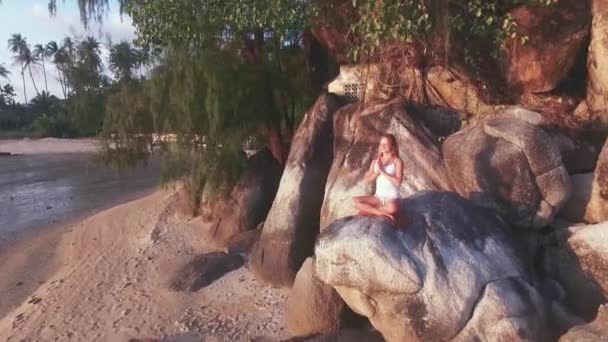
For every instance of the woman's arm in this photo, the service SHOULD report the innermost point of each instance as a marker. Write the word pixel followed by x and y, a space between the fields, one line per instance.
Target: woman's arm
pixel 398 177
pixel 372 173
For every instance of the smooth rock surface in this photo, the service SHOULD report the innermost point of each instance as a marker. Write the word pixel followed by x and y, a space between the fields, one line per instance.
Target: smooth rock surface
pixel 357 134
pixel 292 223
pixel 510 164
pixel 448 271
pixel 313 307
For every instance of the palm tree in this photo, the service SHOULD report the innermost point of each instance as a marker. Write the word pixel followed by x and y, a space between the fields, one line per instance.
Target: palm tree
pixel 123 58
pixel 57 54
pixel 4 72
pixel 15 44
pixel 50 51
pixel 40 53
pixel 66 57
pixel 27 58
pixel 9 93
pixel 89 52
pixel 144 59
pixel 89 65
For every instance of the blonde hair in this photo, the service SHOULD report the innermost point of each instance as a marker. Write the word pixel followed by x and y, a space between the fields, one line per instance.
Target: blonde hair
pixel 393 141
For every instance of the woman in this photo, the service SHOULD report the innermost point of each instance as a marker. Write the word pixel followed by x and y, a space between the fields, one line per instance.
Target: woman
pixel 387 171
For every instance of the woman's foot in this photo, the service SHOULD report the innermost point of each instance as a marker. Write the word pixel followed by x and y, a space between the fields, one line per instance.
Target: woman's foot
pixel 390 218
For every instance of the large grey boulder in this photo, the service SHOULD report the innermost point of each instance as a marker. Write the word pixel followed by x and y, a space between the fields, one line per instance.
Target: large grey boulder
pixel 292 223
pixel 448 271
pixel 510 164
pixel 249 200
pixel 357 134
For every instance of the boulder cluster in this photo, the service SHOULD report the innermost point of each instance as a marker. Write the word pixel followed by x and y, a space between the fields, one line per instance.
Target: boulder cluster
pixel 502 233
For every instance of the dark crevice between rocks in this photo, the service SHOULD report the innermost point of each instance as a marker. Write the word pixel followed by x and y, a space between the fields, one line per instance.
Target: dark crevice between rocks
pixel 312 186
pixel 575 82
pixel 482 293
pixel 441 122
pixel 204 269
pixel 558 261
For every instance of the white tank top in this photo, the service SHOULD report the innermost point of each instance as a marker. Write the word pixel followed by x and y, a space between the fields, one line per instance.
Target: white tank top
pixel 384 188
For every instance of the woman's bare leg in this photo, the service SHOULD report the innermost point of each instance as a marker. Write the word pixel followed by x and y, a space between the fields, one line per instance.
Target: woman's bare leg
pixel 390 210
pixel 371 206
pixel 367 205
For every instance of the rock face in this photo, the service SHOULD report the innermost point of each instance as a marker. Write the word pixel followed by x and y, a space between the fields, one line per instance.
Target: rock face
pixel 442 122
pixel 594 331
pixel 589 200
pixel 454 89
pixel 597 63
pixel 577 257
pixel 586 204
pixel 292 223
pixel 313 307
pixel 557 36
pixel 590 244
pixel 250 199
pixel 511 165
pixel 357 134
pixel 449 271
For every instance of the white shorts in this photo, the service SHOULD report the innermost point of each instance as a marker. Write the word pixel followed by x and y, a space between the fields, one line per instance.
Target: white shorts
pixel 384 200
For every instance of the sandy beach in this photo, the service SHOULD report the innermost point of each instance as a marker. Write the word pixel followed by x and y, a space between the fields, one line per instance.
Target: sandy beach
pixel 49 146
pixel 112 277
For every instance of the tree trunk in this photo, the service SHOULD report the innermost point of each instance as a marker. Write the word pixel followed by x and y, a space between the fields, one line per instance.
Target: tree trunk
pixel 61 83
pixel 597 63
pixel 24 91
pixel 440 31
pixel 46 86
pixel 29 68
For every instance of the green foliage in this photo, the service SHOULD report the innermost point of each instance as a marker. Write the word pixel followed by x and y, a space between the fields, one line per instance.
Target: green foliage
pixel 123 59
pixel 475 23
pixel 202 22
pixel 212 171
pixel 86 110
pixel 381 22
pixel 127 126
pixel 57 125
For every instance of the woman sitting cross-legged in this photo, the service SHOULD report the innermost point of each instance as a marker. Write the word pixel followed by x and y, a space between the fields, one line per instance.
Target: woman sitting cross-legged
pixel 387 172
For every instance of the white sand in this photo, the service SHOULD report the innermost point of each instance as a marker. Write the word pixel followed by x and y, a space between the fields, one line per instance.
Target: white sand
pixel 49 146
pixel 111 284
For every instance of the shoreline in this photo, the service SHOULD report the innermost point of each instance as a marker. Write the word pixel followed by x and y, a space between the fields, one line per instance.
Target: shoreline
pixel 30 146
pixel 34 249
pixel 110 275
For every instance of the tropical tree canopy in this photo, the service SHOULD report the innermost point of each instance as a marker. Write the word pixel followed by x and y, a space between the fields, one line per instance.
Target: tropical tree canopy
pixel 123 59
pixel 4 72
